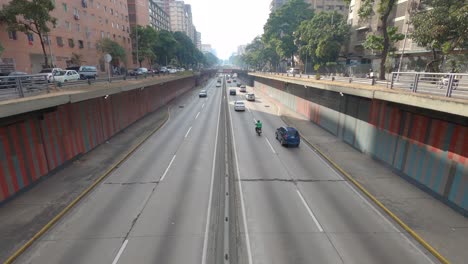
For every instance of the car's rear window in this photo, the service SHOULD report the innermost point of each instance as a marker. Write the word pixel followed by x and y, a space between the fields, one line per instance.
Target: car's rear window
pixel 293 133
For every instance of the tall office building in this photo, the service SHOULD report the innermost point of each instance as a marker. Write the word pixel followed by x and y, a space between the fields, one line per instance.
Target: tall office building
pixel 181 18
pixel 80 26
pixel 199 41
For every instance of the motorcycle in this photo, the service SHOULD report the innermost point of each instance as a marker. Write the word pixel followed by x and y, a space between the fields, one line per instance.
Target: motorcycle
pixel 259 131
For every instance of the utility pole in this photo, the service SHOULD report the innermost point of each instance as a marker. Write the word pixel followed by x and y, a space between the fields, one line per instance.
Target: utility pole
pixel 136 40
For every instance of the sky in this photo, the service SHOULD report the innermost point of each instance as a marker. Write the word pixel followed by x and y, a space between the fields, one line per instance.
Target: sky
pixel 226 24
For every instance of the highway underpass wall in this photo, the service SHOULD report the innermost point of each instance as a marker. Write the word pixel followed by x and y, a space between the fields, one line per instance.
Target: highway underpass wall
pixel 426 147
pixel 34 144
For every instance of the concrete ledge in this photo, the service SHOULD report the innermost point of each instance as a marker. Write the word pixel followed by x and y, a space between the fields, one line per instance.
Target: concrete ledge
pixel 427 101
pixel 78 94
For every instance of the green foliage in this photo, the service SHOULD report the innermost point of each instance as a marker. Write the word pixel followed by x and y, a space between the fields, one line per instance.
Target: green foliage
pixel 365 11
pixel 1 49
pixel 376 42
pixel 76 59
pixel 322 37
pixel 113 48
pixel 210 59
pixel 29 16
pixel 258 54
pixel 145 36
pixel 443 26
pixel 164 47
pixel 281 25
pixel 186 52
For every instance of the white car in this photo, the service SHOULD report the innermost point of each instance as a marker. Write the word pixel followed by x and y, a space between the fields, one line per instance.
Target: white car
pixel 239 106
pixel 218 84
pixel 49 72
pixel 250 97
pixel 172 71
pixel 243 88
pixel 66 76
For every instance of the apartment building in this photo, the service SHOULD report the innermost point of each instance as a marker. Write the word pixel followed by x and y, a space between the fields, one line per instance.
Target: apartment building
pixel 317 5
pixel 80 26
pixel 399 17
pixel 159 19
pixel 198 41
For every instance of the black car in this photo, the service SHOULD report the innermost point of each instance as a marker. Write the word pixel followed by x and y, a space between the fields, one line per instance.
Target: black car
pixel 232 92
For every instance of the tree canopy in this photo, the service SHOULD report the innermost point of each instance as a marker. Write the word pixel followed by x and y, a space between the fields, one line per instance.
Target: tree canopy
pixel 30 17
pixel 441 26
pixel 145 37
pixel 113 48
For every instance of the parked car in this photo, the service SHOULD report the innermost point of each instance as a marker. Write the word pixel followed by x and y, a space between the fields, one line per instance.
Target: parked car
pixel 232 92
pixel 239 106
pixel 9 81
pixel 250 97
pixel 288 136
pixel 203 93
pixel 49 73
pixel 138 71
pixel 163 69
pixel 172 70
pixel 66 76
pixel 87 72
pixel 243 88
pixel 293 71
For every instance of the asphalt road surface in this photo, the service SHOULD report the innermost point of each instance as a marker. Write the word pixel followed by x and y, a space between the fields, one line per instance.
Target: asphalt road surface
pixel 166 202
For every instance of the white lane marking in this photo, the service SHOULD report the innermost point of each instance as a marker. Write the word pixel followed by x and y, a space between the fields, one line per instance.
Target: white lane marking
pixel 197 115
pixel 310 212
pixel 248 110
pixel 122 248
pixel 244 215
pixel 188 131
pixel 203 105
pixel 255 120
pixel 271 146
pixel 167 169
pixel 372 206
pixel 208 213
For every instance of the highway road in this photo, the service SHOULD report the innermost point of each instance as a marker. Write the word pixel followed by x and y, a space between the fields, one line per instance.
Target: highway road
pixel 166 202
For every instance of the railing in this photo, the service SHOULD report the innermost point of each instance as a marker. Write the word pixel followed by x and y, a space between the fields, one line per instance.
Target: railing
pixel 20 86
pixel 443 84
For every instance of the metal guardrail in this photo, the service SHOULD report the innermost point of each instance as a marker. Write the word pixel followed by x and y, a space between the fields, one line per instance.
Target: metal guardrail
pixel 20 86
pixel 442 84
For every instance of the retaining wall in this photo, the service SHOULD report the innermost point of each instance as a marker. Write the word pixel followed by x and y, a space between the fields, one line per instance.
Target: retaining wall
pixel 428 148
pixel 33 145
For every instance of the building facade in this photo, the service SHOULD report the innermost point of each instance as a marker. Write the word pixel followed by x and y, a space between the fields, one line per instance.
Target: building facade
pixel 159 19
pixel 177 16
pixel 199 41
pixel 80 26
pixel 399 17
pixel 317 5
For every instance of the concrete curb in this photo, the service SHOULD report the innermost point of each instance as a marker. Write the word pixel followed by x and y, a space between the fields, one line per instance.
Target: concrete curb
pixel 59 216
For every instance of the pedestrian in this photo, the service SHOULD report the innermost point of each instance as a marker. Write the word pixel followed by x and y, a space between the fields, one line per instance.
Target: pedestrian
pixel 371 74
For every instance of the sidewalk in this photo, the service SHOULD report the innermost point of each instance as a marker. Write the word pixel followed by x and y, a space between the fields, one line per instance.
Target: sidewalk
pixel 443 228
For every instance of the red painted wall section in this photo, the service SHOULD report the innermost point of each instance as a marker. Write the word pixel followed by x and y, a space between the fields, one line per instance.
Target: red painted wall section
pixel 33 146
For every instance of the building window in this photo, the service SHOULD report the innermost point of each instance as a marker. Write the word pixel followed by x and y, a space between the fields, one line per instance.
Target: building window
pixel 78 27
pixel 108 34
pixel 67 25
pixel 89 45
pixel 47 40
pixel 80 44
pixel 112 23
pixel 105 8
pixel 98 5
pixel 91 2
pixel 71 43
pixel 113 36
pixel 102 34
pixel 107 21
pixel 60 41
pixel 84 3
pixel 65 8
pixel 12 35
pixel 112 11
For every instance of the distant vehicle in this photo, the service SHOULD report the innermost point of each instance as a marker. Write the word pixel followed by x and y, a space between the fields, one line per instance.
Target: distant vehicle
pixel 172 70
pixel 242 89
pixel 49 72
pixel 293 71
pixel 139 71
pixel 250 97
pixel 219 80
pixel 239 106
pixel 218 84
pixel 163 69
pixel 87 72
pixel 288 136
pixel 232 92
pixel 66 76
pixel 239 84
pixel 234 80
pixel 203 93
pixel 229 80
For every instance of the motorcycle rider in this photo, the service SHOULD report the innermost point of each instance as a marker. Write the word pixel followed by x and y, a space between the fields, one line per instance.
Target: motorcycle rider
pixel 258 126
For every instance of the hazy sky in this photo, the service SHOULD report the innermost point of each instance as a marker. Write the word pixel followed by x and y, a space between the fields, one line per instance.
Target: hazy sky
pixel 226 24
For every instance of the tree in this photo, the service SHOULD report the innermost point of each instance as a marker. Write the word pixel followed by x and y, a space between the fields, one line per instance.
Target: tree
pixel 441 26
pixel 1 49
pixel 30 17
pixel 376 42
pixel 113 48
pixel 384 9
pixel 76 59
pixel 147 37
pixel 322 37
pixel 210 59
pixel 164 47
pixel 186 52
pixel 280 27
